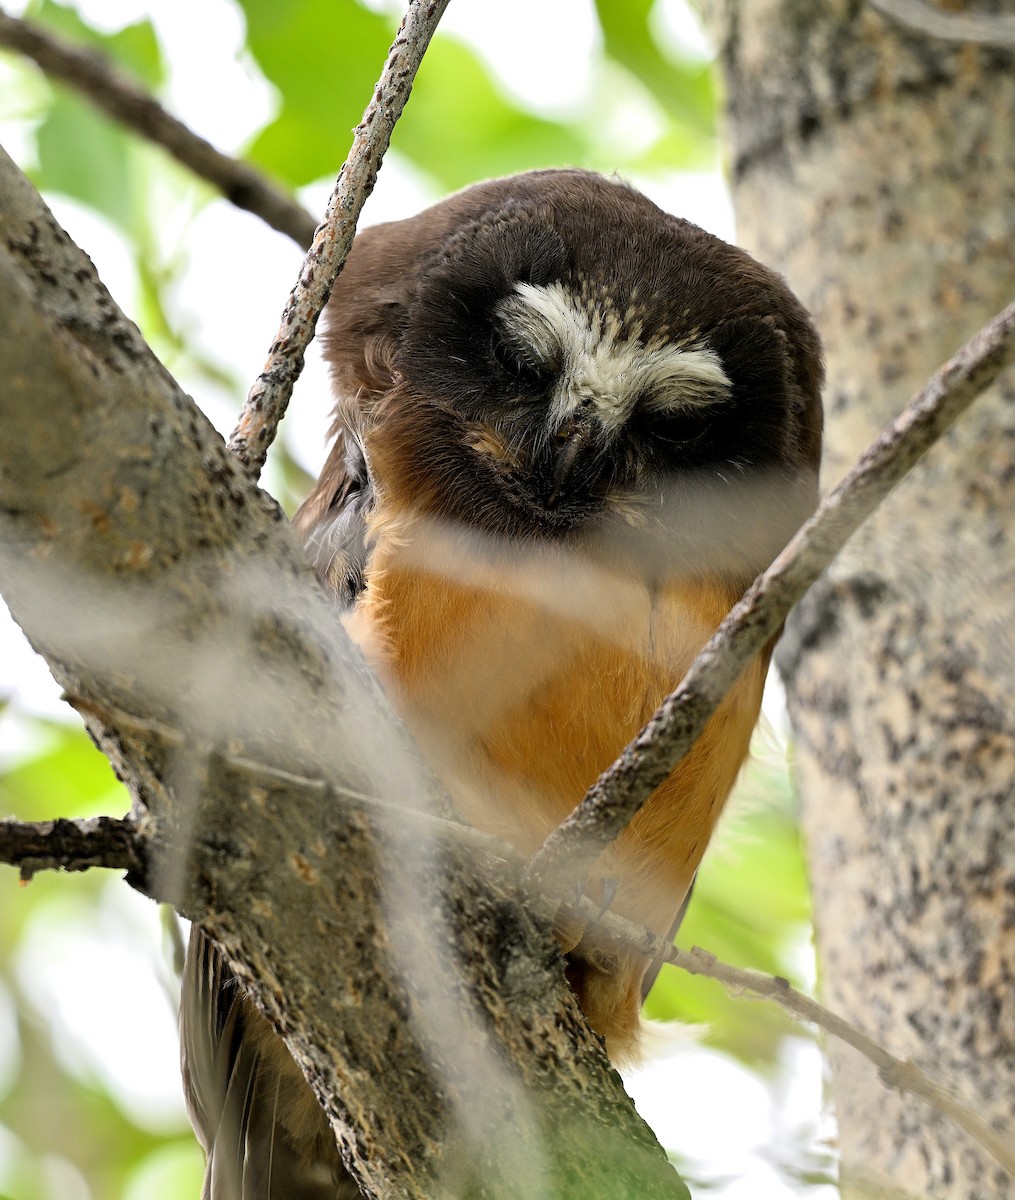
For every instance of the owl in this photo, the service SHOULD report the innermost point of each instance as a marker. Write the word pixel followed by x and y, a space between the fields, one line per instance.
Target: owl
pixel 569 431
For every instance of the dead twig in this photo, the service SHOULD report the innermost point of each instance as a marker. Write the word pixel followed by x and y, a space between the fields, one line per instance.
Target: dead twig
pixel 70 845
pixel 902 1075
pixel 77 845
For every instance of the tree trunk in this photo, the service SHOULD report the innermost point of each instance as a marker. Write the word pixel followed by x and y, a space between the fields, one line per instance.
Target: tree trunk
pixel 876 168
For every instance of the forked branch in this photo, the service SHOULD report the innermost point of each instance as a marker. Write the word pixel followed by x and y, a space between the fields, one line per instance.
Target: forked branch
pixel 903 1075
pixel 109 842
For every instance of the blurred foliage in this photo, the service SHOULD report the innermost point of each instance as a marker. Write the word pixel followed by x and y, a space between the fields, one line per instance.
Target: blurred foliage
pixel 297 46
pixel 63 1131
pixel 683 86
pixel 80 152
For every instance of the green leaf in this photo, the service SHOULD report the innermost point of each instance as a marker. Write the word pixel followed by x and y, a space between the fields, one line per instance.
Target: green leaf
pixel 135 47
pixel 459 126
pixel 72 1120
pixel 684 89
pixel 69 778
pixel 82 153
pixel 679 148
pixel 168 1173
pixel 19 901
pixel 751 908
pixel 324 56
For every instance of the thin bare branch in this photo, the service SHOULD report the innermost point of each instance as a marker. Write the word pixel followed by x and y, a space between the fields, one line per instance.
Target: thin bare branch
pixel 623 788
pixel 70 845
pixel 269 397
pixel 91 73
pixel 984 29
pixel 613 931
pixel 894 1072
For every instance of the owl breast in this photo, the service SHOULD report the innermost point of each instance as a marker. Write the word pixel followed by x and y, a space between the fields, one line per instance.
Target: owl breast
pixel 523 672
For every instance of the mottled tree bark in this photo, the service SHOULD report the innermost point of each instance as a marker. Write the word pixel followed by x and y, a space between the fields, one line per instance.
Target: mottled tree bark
pixel 876 169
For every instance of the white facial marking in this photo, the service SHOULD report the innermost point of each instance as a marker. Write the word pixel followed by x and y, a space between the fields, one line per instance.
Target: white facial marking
pixel 601 368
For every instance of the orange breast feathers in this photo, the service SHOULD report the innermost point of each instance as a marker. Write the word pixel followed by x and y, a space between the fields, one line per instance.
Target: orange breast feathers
pixel 522 674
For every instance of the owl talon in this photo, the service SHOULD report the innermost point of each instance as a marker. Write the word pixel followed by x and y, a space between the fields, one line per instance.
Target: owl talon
pixel 568 928
pixel 609 893
pixel 568 931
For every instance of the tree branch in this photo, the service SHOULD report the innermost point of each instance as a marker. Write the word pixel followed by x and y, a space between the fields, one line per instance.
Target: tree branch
pixel 269 397
pixel 918 16
pixel 93 75
pixel 623 788
pixel 613 932
pixel 70 845
pixel 895 1072
pixel 111 842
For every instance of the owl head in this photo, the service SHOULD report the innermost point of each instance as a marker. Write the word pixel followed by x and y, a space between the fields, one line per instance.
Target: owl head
pixel 552 356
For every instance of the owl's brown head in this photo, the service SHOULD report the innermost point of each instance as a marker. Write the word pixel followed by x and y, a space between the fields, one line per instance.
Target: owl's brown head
pixel 549 355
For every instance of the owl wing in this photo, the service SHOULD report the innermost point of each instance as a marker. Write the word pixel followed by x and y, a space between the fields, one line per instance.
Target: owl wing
pixel 362 330
pixel 239 1082
pixel 332 520
pixel 653 971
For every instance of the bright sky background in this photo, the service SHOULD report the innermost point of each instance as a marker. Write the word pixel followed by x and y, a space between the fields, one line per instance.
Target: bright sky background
pixel 698 1101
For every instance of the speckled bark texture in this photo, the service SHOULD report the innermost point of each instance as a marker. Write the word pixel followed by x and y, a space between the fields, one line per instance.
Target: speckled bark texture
pixel 876 169
pixel 427 1007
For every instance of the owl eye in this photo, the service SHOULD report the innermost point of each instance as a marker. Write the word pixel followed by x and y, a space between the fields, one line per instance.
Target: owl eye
pixel 675 427
pixel 518 361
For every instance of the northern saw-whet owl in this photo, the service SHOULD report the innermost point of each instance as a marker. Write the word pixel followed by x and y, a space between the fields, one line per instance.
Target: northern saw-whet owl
pixel 570 429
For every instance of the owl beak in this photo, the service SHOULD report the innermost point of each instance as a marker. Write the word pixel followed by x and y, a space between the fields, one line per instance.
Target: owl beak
pixel 572 441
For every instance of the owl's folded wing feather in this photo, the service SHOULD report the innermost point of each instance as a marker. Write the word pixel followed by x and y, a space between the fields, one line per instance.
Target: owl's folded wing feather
pixel 332 520
pixel 257 1119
